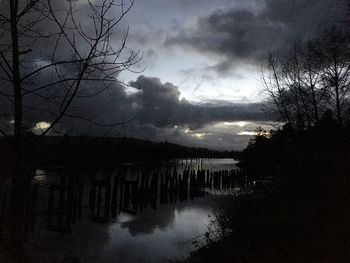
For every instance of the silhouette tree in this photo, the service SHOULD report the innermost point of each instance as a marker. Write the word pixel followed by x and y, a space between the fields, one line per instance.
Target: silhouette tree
pixel 51 54
pixel 314 76
pixel 335 56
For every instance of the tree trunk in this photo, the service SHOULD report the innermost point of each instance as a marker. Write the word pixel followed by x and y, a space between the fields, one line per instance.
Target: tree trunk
pixel 18 177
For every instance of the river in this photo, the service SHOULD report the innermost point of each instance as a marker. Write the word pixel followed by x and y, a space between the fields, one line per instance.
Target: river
pixel 132 213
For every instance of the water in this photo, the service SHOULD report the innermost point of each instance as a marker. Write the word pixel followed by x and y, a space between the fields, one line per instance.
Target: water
pixel 150 236
pixel 135 213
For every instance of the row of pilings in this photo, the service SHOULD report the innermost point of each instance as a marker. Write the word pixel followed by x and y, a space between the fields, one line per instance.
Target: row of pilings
pixel 106 194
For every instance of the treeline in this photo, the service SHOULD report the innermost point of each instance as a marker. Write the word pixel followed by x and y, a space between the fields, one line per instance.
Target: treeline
pixel 85 150
pixel 299 207
pixel 300 154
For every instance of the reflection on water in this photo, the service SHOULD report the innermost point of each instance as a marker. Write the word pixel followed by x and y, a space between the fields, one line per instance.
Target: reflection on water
pixel 133 213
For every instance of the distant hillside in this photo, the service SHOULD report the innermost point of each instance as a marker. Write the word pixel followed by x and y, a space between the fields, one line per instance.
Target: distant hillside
pixel 84 150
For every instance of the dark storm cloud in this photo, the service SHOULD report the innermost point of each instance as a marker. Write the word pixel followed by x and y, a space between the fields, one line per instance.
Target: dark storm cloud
pixel 248 35
pixel 160 104
pixel 156 104
pixel 155 111
pixel 44 104
pixel 232 32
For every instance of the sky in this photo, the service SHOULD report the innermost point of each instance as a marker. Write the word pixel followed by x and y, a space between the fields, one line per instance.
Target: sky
pixel 208 54
pixel 199 80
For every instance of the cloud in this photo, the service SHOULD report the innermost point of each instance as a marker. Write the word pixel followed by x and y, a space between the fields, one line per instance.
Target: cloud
pixel 160 105
pixel 157 113
pixel 156 108
pixel 238 34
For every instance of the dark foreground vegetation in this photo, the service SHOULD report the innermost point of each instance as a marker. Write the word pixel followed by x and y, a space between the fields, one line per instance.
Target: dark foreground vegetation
pixel 298 210
pixel 303 214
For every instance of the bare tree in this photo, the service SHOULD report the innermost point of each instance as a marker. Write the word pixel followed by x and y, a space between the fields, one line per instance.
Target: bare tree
pixel 335 63
pixel 51 54
pixel 302 76
pixel 312 78
pixel 274 85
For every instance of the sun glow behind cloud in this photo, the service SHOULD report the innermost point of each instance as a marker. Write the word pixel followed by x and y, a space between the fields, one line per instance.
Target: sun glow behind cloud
pixel 247 133
pixel 40 127
pixel 199 136
pixel 240 124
